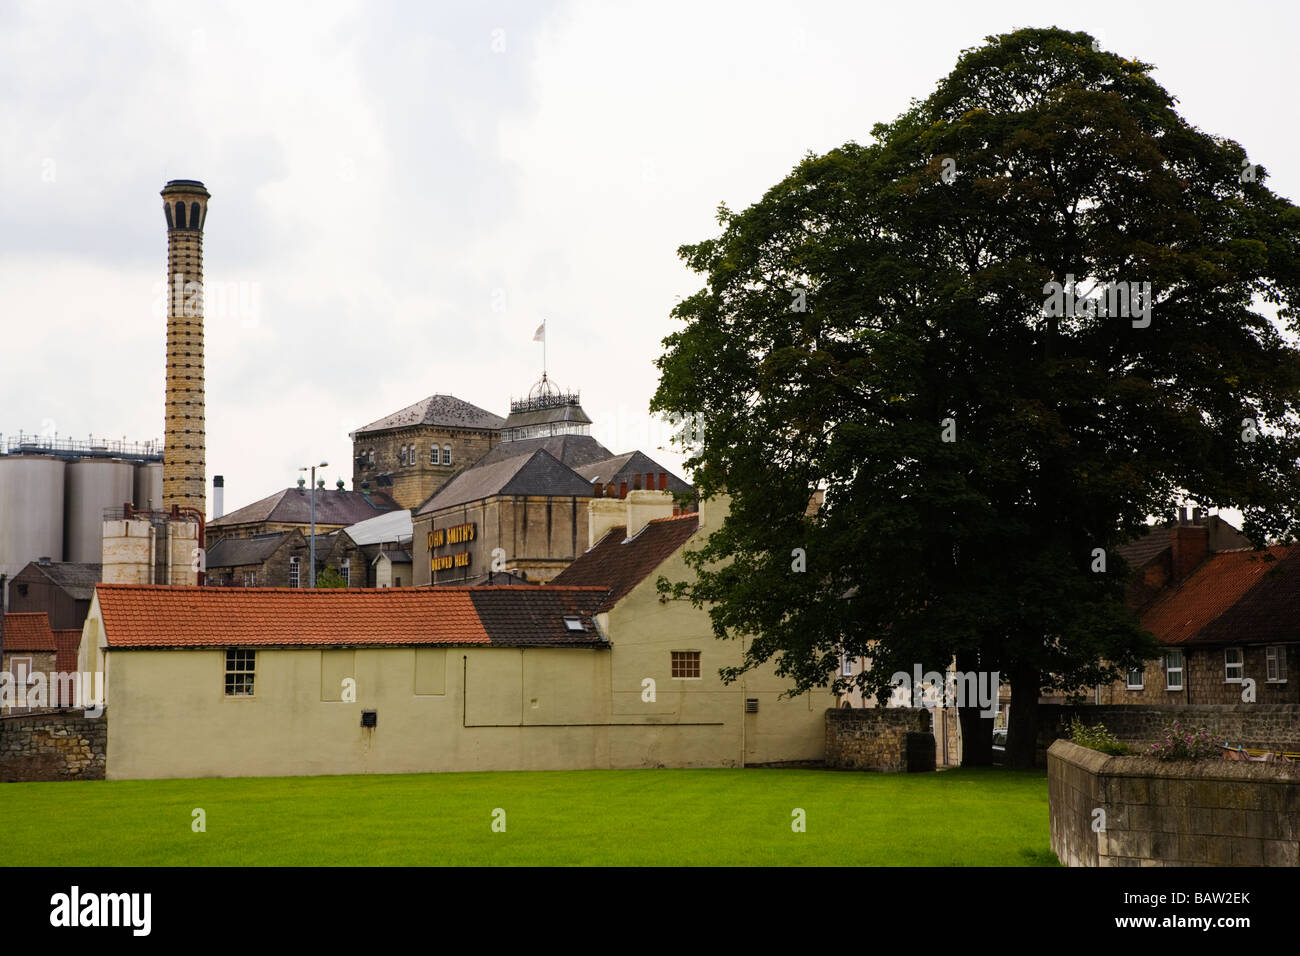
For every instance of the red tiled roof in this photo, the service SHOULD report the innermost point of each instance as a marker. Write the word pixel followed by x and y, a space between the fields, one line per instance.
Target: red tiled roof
pixel 1184 614
pixel 67 645
pixel 162 616
pixel 1269 613
pixel 620 565
pixel 28 631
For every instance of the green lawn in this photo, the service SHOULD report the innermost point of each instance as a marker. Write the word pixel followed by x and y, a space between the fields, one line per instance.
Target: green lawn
pixel 978 817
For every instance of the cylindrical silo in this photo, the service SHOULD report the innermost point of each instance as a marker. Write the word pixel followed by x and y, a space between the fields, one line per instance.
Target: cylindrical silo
pixel 93 484
pixel 148 486
pixel 31 510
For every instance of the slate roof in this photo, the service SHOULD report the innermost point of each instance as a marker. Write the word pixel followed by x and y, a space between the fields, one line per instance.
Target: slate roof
pixel 1142 550
pixel 628 466
pixel 293 506
pixel 573 450
pixel 1217 603
pixel 396 556
pixel 620 564
pixel 141 616
pixel 234 552
pixel 77 580
pixel 445 410
pixel 28 631
pixel 540 473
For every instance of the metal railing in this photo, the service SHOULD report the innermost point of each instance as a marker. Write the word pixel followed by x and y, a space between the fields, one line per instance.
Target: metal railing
pixel 31 444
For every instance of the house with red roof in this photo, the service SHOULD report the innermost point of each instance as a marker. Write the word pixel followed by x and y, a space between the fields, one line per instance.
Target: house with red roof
pixel 1228 618
pixel 32 655
pixel 592 672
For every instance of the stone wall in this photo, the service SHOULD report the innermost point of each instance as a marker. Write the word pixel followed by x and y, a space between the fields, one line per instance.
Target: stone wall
pixel 62 745
pixel 1171 813
pixel 1262 726
pixel 872 738
pixel 413 483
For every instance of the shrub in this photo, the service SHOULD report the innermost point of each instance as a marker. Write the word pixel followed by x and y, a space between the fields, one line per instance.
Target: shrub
pixel 1181 743
pixel 1096 737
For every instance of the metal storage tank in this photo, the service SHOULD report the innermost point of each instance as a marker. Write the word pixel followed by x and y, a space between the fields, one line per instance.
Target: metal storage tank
pixel 93 484
pixel 149 486
pixel 31 510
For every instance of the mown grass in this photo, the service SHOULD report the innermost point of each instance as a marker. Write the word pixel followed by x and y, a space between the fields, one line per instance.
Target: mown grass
pixel 977 817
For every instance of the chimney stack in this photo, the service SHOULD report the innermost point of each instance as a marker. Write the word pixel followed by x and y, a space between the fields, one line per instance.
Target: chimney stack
pixel 218 496
pixel 185 206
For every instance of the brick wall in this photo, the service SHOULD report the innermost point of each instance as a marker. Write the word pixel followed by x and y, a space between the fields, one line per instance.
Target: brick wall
pixel 53 746
pixel 1171 813
pixel 872 738
pixel 1262 726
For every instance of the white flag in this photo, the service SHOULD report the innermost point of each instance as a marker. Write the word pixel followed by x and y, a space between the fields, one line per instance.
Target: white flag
pixel 540 334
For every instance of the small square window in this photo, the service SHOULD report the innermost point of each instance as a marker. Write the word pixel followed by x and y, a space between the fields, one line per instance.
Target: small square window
pixel 239 672
pixel 574 624
pixel 1233 665
pixel 1134 679
pixel 1275 664
pixel 686 665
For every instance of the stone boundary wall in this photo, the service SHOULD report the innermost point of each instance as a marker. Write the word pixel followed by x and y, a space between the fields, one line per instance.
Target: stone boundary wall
pixel 1262 726
pixel 54 745
pixel 872 738
pixel 1171 813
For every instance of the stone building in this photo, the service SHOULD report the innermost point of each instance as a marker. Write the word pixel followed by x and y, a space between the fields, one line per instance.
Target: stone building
pixel 31 647
pixel 412 452
pixel 61 589
pixel 280 559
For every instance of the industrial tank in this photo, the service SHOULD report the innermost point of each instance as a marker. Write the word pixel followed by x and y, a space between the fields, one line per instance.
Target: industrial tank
pixel 93 484
pixel 31 510
pixel 149 486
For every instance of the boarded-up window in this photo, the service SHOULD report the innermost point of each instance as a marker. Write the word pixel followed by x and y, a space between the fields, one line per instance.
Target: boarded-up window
pixel 335 668
pixel 430 671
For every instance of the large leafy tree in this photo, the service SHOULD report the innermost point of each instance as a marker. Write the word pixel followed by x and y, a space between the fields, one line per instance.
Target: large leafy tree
pixel 885 325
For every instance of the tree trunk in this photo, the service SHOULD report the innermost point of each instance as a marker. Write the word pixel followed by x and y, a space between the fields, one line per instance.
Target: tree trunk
pixel 976 731
pixel 1022 730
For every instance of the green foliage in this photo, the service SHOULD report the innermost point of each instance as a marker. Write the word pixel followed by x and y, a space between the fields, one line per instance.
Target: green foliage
pixel 330 578
pixel 1180 743
pixel 870 297
pixel 1097 737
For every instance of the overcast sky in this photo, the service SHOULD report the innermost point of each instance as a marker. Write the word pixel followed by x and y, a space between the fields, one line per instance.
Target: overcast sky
pixel 402 192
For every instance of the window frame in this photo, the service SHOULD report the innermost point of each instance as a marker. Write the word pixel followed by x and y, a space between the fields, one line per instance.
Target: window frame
pixel 446 454
pixel 1128 678
pixel 846 665
pixel 295 571
pixel 1239 664
pixel 238 656
pixel 250 576
pixel 1181 669
pixel 1275 662
pixel 688 661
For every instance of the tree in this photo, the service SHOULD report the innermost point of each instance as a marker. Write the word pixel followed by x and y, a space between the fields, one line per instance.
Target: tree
pixel 330 578
pixel 1030 315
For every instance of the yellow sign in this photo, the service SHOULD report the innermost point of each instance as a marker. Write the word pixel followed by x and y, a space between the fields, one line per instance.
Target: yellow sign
pixel 458 534
pixel 443 562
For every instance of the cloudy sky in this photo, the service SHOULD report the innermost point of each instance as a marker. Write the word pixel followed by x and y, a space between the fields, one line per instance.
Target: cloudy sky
pixel 402 192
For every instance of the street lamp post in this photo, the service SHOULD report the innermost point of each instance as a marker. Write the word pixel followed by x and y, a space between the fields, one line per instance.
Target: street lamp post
pixel 312 558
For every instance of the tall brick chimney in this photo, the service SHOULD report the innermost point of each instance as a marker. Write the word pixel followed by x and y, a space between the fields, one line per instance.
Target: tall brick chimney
pixel 185 204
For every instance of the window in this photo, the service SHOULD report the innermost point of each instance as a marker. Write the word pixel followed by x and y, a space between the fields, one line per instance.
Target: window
pixel 250 579
pixel 574 624
pixel 686 665
pixel 401 456
pixel 1233 665
pixel 446 454
pixel 846 665
pixel 372 458
pixel 1174 670
pixel 345 569
pixel 295 572
pixel 410 455
pixel 1134 680
pixel 433 454
pixel 1275 664
pixel 239 673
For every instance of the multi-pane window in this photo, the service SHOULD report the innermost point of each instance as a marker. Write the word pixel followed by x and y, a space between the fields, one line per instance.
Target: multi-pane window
pixel 1134 680
pixel 686 664
pixel 1174 670
pixel 239 673
pixel 433 454
pixel 846 665
pixel 1275 664
pixel 446 454
pixel 250 579
pixel 410 455
pixel 401 456
pixel 345 569
pixel 1233 665
pixel 295 572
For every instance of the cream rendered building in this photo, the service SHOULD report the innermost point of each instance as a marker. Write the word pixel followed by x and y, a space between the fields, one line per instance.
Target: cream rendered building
pixel 254 682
